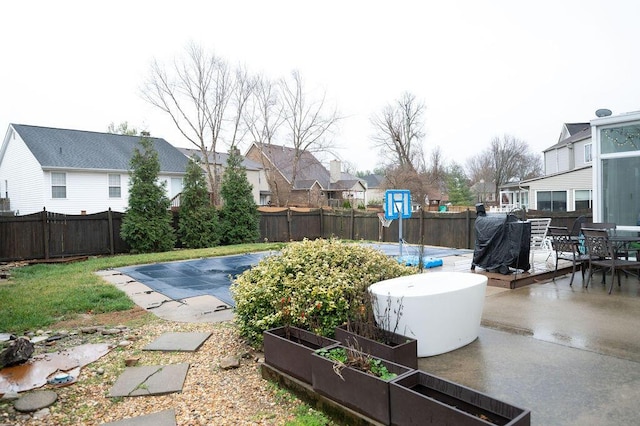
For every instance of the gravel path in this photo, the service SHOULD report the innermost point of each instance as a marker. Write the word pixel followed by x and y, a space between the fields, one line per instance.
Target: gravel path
pixel 210 396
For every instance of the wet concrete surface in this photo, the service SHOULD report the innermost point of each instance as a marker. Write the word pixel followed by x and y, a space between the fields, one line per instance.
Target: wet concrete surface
pixel 569 354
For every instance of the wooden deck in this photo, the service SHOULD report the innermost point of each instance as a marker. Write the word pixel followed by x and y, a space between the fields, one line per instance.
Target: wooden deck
pixel 542 270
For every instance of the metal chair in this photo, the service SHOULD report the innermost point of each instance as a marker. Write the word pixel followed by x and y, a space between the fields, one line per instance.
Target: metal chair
pixel 566 247
pixel 577 226
pixel 602 254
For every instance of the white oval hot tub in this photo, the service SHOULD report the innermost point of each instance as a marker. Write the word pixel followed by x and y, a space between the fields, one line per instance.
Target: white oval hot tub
pixel 441 310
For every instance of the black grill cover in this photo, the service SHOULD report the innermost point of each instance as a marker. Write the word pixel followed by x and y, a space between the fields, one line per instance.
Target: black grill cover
pixel 502 243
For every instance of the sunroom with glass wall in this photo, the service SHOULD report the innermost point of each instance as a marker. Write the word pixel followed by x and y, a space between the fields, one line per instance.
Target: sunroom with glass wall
pixel 616 170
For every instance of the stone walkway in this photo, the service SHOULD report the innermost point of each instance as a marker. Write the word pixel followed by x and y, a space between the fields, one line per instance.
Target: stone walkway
pixel 137 381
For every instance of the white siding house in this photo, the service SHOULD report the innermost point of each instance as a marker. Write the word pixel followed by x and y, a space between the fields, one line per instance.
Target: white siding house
pixel 73 171
pixel 565 191
pixel 567 181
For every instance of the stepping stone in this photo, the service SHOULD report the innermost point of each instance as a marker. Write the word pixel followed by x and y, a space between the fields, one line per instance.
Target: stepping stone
pixel 161 418
pixel 35 401
pixel 188 342
pixel 150 380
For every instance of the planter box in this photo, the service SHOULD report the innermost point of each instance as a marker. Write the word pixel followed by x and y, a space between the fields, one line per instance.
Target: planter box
pixel 419 398
pixel 353 388
pixel 402 350
pixel 289 349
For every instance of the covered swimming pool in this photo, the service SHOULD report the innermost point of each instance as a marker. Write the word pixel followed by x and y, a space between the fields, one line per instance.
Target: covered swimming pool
pixel 212 276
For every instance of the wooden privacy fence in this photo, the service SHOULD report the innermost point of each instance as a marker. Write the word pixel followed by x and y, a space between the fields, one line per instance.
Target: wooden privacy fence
pixel 47 235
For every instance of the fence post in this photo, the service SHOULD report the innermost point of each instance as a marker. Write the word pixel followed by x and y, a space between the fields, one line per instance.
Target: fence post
pixel 111 237
pixel 421 227
pixel 288 224
pixel 45 232
pixel 353 224
pixel 321 222
pixel 468 227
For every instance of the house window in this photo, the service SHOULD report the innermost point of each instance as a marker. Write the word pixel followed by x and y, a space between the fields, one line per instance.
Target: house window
pixel 554 201
pixel 583 198
pixel 620 190
pixel 176 187
pixel 115 190
pixel 58 185
pixel 587 153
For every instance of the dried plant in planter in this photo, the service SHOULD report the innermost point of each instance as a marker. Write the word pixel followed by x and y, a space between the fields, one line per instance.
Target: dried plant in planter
pixel 350 357
pixel 368 322
pixel 379 338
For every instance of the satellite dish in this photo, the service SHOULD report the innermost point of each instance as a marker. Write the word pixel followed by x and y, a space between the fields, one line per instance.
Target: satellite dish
pixel 603 112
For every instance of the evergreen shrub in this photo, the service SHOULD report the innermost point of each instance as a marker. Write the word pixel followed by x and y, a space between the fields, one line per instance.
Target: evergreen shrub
pixel 315 285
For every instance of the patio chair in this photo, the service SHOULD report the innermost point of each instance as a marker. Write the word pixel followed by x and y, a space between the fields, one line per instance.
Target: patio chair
pixel 567 247
pixel 539 240
pixel 610 227
pixel 602 254
pixel 577 226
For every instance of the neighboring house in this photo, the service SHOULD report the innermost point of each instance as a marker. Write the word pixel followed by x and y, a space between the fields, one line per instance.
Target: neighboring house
pixel 255 173
pixel 75 171
pixel 375 189
pixel 567 181
pixel 436 197
pixel 312 185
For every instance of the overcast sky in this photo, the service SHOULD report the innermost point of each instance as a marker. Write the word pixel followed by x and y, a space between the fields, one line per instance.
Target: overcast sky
pixel 482 68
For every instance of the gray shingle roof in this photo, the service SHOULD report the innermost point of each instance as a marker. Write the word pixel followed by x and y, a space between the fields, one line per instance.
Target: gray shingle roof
pixel 221 158
pixel 575 137
pixel 373 180
pixel 309 168
pixel 574 128
pixel 79 149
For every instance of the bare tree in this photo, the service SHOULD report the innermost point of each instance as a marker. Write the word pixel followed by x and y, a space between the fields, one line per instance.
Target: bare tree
pixel 399 132
pixel 263 117
pixel 196 92
pixel 399 136
pixel 242 92
pixel 507 159
pixel 309 122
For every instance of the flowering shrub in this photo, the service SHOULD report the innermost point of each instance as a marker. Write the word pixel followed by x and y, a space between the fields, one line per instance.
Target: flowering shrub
pixel 316 285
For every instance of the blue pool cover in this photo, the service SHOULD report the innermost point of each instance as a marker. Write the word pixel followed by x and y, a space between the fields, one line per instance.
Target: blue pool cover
pixel 181 280
pixel 213 276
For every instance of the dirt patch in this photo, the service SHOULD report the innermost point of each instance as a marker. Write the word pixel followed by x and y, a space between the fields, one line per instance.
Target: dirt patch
pixel 135 315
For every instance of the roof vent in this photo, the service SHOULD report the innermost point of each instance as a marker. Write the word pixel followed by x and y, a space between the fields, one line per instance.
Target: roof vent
pixel 603 112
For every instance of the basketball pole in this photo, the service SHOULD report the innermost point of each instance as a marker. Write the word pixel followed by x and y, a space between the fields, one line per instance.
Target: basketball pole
pixel 400 234
pixel 399 209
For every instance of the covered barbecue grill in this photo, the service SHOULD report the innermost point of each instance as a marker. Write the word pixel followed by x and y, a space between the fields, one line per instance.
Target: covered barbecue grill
pixel 502 242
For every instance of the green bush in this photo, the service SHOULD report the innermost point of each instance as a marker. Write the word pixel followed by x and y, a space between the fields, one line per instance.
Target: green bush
pixel 316 285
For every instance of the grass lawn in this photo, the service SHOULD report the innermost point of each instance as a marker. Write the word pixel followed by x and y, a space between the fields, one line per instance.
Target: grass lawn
pixel 39 295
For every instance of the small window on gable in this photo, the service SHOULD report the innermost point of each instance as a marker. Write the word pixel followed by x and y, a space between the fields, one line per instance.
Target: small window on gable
pixel 114 186
pixel 587 153
pixel 58 185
